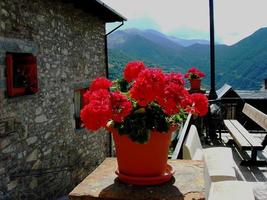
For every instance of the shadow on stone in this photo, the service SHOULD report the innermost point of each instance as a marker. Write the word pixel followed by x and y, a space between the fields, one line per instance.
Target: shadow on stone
pixel 120 190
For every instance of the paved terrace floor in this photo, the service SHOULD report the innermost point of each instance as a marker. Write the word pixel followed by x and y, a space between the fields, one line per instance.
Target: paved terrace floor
pixel 251 174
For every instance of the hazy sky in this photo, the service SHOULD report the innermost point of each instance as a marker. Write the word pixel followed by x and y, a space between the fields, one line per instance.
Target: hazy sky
pixel 189 19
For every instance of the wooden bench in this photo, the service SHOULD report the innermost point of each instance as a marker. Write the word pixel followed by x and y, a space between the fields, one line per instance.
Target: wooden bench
pixel 245 140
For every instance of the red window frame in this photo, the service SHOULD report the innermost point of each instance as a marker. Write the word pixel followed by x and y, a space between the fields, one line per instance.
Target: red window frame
pixel 21 74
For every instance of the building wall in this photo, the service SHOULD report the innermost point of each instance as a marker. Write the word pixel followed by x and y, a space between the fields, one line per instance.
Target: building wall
pixel 42 156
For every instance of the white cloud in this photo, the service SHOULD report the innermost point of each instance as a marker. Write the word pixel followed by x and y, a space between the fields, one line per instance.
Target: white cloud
pixel 234 19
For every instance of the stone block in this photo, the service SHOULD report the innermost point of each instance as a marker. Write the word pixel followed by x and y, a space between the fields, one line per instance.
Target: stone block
pixel 2 100
pixel 38 111
pixel 40 119
pixel 2 71
pixel 65 52
pixel 47 135
pixel 8 149
pixel 2 59
pixel 20 155
pixel 7 126
pixel 2 83
pixel 12 184
pixel 31 140
pixel 32 156
pixel 2 128
pixel 2 25
pixel 34 183
pixel 4 12
pixel 47 152
pixel 37 165
pixel 2 171
pixel 4 143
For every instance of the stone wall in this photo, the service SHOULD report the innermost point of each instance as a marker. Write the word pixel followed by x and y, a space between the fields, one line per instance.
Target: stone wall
pixel 42 156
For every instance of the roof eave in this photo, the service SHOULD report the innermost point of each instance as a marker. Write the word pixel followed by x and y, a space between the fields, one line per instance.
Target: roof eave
pixel 98 9
pixel 114 16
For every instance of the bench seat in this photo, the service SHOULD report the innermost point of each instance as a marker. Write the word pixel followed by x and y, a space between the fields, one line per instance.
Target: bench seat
pixel 242 137
pixel 245 141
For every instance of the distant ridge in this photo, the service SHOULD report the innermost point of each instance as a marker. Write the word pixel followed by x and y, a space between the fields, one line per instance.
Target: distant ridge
pixel 242 65
pixel 154 36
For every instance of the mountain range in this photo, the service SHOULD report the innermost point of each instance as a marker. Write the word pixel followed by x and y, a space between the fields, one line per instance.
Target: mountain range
pixel 242 65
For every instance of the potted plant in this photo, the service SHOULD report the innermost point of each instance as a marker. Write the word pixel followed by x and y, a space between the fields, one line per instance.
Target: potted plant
pixel 141 110
pixel 194 75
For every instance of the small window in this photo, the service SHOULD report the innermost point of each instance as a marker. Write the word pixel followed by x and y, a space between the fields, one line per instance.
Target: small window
pixel 230 110
pixel 78 105
pixel 21 74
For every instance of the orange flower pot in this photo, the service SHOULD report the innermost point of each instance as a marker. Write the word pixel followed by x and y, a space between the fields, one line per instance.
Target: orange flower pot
pixel 143 164
pixel 195 84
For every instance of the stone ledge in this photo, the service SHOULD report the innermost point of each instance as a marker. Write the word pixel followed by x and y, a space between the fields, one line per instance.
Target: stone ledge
pixel 187 183
pixel 17 46
pixel 81 85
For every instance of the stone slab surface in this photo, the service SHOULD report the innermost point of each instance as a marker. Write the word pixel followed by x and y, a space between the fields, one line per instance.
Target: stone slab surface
pixel 231 190
pixel 187 183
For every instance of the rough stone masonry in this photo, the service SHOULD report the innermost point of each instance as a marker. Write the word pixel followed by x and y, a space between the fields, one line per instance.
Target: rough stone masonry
pixel 42 156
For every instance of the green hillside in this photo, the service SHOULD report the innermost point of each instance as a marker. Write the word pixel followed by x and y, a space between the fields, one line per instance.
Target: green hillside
pixel 243 65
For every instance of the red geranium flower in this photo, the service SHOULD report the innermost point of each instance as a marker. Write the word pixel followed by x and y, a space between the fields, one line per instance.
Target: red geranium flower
pixel 132 69
pixel 148 85
pixel 98 111
pixel 199 104
pixel 169 101
pixel 173 93
pixel 86 97
pixel 176 78
pixel 121 106
pixel 194 73
pixel 173 98
pixel 100 83
pixel 97 84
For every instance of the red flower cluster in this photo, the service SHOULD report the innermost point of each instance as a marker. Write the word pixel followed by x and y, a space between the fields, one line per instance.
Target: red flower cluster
pixel 98 111
pixel 101 105
pixel 132 70
pixel 173 93
pixel 199 104
pixel 148 85
pixel 100 83
pixel 97 84
pixel 194 73
pixel 173 99
pixel 176 78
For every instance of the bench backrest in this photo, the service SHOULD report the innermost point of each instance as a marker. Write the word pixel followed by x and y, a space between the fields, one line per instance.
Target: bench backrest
pixel 256 115
pixel 192 149
pixel 177 153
